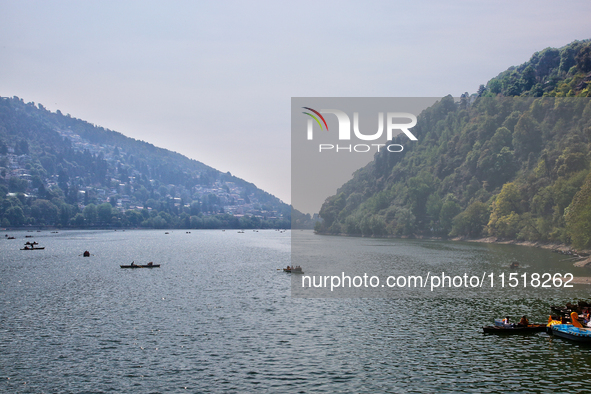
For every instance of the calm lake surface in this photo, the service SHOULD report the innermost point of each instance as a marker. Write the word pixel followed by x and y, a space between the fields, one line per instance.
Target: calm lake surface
pixel 219 317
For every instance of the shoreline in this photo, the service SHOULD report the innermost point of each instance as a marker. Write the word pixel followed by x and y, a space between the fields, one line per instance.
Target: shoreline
pixel 495 240
pixel 581 258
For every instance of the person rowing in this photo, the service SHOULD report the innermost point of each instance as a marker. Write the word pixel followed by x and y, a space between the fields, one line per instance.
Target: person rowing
pixel 523 322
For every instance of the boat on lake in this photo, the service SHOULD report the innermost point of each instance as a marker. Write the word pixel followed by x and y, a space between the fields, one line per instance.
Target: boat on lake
pixel 293 270
pixel 502 326
pixel 568 331
pixel 133 265
pixel 514 264
pixel 574 332
pixel 32 246
pixel 514 329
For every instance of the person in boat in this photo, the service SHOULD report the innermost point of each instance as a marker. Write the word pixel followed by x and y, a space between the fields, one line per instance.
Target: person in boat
pixel 150 264
pixel 133 263
pixel 523 322
pixel 506 320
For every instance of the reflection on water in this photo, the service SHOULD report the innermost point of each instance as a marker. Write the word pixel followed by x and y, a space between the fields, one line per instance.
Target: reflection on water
pixel 361 267
pixel 218 316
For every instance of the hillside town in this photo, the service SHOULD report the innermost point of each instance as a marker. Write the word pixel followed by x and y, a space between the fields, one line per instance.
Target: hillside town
pixel 86 175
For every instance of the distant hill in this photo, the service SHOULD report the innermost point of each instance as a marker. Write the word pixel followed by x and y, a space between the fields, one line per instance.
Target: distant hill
pixel 511 161
pixel 57 170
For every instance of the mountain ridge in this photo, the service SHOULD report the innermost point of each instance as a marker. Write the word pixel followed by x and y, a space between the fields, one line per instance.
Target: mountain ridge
pixel 511 161
pixel 58 170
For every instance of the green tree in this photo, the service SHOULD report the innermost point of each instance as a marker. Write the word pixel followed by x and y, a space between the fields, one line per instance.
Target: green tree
pixel 90 214
pixel 66 212
pixel 449 210
pixel 44 212
pixel 506 208
pixel 527 136
pixel 78 220
pixel 471 222
pixel 134 218
pixel 578 217
pixel 15 216
pixel 16 185
pixel 104 213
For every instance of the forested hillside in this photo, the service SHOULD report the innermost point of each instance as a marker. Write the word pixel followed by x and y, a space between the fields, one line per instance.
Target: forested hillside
pixel 511 161
pixel 61 171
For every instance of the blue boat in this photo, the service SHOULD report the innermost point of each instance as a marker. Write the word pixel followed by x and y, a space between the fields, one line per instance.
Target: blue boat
pixel 568 331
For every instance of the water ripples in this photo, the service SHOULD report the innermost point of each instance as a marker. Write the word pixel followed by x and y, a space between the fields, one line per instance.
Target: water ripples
pixel 218 317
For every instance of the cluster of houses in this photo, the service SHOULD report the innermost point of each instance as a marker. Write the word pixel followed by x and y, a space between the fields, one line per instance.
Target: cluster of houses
pixel 220 197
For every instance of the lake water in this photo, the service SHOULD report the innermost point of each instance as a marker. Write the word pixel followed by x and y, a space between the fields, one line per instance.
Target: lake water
pixel 219 317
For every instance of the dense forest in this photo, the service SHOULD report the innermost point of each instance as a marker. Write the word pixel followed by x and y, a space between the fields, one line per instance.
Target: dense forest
pixel 56 170
pixel 511 161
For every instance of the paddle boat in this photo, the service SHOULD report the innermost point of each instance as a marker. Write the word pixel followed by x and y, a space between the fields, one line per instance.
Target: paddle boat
pixel 571 332
pixel 574 332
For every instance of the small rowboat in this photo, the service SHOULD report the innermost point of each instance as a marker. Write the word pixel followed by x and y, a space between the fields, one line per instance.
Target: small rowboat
pixel 571 332
pixel 529 329
pixel 141 266
pixel 32 246
pixel 294 270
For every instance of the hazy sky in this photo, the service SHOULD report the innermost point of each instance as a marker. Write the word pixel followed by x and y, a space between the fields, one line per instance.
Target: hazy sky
pixel 213 80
